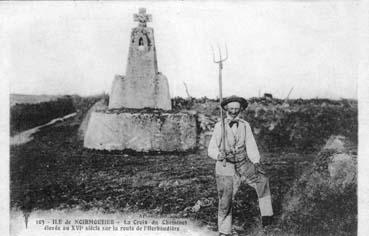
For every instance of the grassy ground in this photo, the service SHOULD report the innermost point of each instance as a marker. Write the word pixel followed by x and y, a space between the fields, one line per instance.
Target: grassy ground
pixel 53 171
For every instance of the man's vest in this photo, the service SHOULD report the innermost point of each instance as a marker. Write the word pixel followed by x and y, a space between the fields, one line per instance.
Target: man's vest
pixel 235 143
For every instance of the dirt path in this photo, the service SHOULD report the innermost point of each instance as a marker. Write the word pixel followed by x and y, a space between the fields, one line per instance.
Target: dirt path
pixel 26 136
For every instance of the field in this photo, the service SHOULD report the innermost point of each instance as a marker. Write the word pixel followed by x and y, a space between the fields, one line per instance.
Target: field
pixel 24 116
pixel 30 99
pixel 54 171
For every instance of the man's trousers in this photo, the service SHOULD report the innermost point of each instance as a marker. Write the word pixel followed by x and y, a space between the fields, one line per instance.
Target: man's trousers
pixel 227 188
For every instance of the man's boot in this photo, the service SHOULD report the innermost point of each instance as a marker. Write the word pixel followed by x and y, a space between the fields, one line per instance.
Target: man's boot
pixel 266 220
pixel 221 234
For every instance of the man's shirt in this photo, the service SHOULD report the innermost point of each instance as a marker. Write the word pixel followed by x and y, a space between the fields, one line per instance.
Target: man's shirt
pixel 238 138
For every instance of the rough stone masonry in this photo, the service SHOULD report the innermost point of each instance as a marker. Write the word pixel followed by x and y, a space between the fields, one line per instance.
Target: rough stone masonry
pixel 138 115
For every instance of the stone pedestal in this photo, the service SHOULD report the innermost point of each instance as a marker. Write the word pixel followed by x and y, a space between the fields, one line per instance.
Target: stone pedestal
pixel 141 131
pixel 154 93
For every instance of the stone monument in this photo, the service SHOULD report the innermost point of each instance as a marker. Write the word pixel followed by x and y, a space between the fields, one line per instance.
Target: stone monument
pixel 139 115
pixel 143 86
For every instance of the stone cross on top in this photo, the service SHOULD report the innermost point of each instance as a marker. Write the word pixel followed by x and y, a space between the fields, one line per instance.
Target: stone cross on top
pixel 142 17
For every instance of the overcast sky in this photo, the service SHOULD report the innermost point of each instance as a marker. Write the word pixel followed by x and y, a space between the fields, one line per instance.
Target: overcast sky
pixel 78 47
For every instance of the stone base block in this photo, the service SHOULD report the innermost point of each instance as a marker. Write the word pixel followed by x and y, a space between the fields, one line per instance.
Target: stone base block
pixel 141 131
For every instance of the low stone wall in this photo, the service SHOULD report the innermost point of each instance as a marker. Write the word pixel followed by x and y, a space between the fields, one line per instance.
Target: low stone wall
pixel 141 131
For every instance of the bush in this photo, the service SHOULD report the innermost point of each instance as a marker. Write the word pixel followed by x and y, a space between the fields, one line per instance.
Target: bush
pixel 179 103
pixel 321 204
pixel 301 127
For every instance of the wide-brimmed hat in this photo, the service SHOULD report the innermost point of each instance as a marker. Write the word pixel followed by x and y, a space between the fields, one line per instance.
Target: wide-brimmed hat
pixel 234 98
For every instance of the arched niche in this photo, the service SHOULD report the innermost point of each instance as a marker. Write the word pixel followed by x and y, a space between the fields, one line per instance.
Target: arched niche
pixel 142 41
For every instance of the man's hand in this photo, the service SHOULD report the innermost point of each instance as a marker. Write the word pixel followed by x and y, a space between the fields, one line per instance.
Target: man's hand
pixel 229 156
pixel 259 168
pixel 221 156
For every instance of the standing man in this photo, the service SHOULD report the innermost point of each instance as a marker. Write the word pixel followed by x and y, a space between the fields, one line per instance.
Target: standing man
pixel 242 164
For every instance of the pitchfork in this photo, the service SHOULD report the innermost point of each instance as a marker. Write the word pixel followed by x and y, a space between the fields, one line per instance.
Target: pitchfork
pixel 220 65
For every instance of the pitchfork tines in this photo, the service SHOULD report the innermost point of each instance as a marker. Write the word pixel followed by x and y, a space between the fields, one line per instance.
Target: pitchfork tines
pixel 221 59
